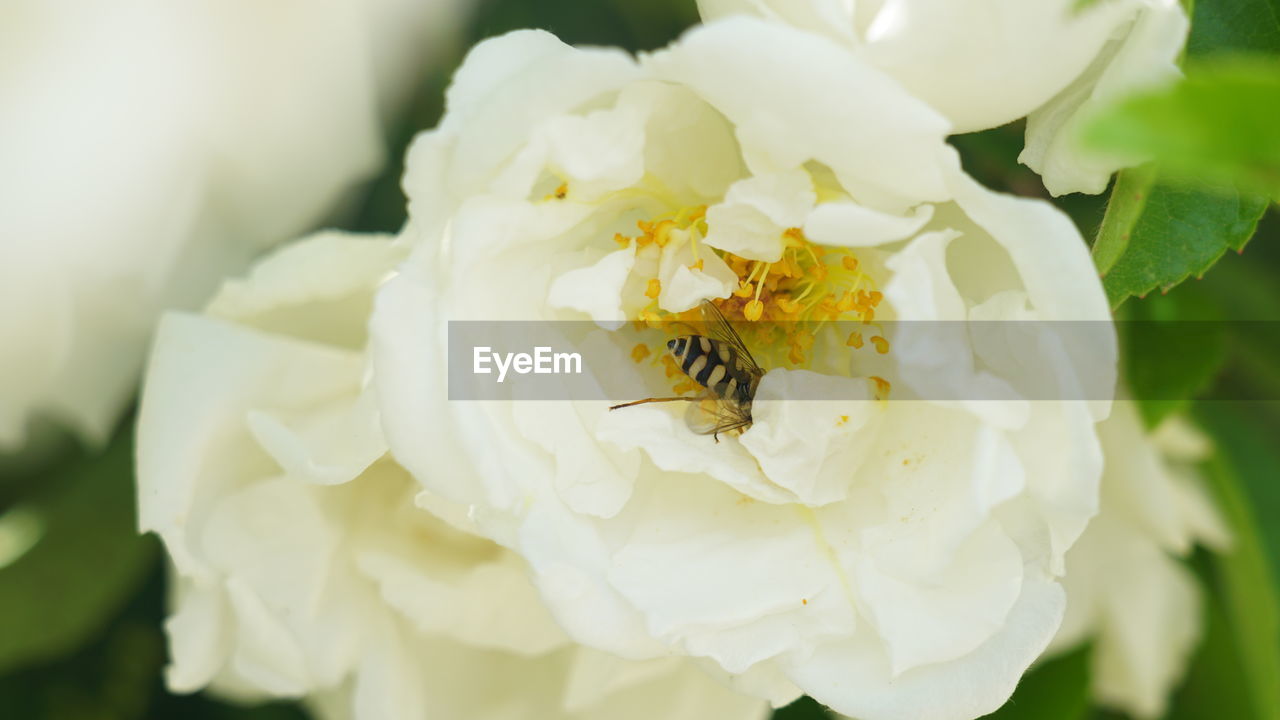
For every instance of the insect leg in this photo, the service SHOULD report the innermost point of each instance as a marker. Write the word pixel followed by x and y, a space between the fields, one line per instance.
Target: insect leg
pixel 653 400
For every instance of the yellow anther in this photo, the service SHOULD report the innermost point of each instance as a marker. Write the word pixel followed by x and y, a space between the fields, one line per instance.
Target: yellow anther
pixel 562 191
pixel 849 262
pixel 753 310
pixel 788 306
pixel 794 237
pixel 882 386
pixel 867 315
pixel 654 288
pixel 621 239
pixel 669 363
pixel 875 297
pixel 882 345
pixel 697 265
pixel 662 232
pixel 745 289
pixel 855 340
pixel 639 352
pixel 686 386
pixel 845 303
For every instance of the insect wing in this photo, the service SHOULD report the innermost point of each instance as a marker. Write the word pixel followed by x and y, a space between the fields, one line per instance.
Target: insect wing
pixel 719 328
pixel 712 415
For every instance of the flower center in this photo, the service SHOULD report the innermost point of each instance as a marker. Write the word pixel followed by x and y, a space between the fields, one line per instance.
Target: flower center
pixel 778 307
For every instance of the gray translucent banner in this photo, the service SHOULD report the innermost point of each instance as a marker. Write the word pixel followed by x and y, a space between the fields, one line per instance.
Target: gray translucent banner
pixel 960 361
pixel 940 361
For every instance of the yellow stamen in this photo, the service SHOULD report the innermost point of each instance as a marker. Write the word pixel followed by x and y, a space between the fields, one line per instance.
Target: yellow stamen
pixel 816 262
pixel 654 288
pixel 662 232
pixel 789 306
pixel 686 386
pixel 669 365
pixel 882 345
pixel 763 276
pixel 754 309
pixel 855 340
pixel 639 352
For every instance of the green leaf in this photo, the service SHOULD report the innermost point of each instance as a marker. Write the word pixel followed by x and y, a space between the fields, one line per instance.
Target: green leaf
pixel 1173 347
pixel 806 708
pixel 73 559
pixel 1242 477
pixel 1128 199
pixel 114 679
pixel 1216 127
pixel 1215 685
pixel 1234 26
pixel 1179 233
pixel 1188 229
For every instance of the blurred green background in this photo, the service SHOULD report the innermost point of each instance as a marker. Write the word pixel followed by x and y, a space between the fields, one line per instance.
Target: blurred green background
pixel 81 611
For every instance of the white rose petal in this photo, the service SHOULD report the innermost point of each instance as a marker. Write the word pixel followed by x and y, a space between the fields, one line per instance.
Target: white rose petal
pixel 1127 590
pixel 151 148
pixel 891 558
pixel 756 212
pixel 309 565
pixel 985 63
pixel 1143 57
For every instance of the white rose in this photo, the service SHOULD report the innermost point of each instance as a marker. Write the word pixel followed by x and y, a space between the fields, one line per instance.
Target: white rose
pixel 151 147
pixel 984 63
pixel 892 559
pixel 307 564
pixel 1126 589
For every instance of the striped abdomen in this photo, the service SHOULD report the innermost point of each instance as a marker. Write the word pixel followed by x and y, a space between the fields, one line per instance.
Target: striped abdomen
pixel 714 365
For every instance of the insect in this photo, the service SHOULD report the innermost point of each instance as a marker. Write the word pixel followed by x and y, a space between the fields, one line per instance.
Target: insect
pixel 722 365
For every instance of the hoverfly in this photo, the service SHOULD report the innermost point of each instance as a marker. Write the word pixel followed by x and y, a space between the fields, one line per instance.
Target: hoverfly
pixel 722 365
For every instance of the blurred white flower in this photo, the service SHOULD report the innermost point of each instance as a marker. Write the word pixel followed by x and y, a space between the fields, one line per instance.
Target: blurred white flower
pixel 1127 591
pixel 151 147
pixel 892 559
pixel 984 63
pixel 307 564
